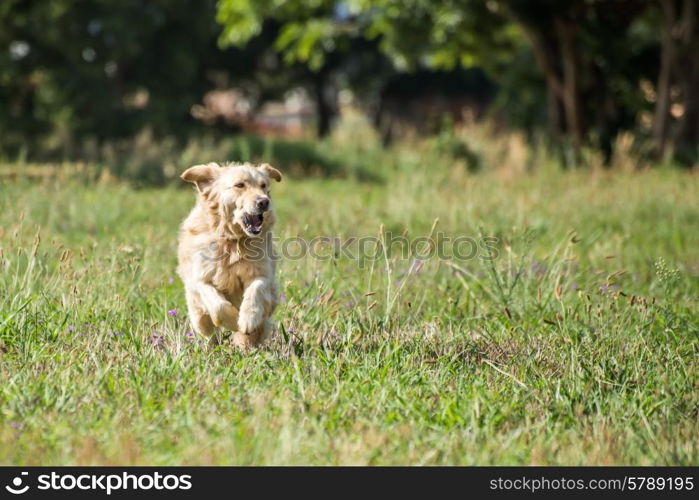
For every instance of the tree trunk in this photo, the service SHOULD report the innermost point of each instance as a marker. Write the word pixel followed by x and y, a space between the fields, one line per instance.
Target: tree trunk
pixel 563 86
pixel 326 103
pixel 687 148
pixel 607 114
pixel 661 119
pixel 572 104
pixel 687 143
pixel 546 59
pixel 553 105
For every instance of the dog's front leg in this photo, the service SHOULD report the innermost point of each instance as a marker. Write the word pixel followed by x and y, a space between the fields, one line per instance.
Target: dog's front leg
pixel 256 307
pixel 222 312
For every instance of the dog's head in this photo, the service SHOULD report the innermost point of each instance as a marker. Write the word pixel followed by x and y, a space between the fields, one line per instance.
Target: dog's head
pixel 237 195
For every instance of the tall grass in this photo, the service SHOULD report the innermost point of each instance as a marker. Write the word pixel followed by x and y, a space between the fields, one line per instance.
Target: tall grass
pixel 573 342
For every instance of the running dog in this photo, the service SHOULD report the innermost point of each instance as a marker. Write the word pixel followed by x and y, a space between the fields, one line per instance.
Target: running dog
pixel 225 254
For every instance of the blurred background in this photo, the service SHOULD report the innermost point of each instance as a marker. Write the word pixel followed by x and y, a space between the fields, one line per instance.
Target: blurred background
pixel 147 86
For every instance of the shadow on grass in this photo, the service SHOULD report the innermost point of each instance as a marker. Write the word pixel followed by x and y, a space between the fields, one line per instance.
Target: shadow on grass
pixel 146 161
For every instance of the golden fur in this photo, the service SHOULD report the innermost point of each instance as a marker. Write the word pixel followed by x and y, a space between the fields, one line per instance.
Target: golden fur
pixel 225 260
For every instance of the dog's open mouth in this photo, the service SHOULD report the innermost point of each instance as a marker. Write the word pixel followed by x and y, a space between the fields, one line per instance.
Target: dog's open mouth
pixel 253 223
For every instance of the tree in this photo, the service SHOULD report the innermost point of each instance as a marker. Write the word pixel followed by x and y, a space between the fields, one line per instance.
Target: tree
pixel 687 144
pixel 592 54
pixel 439 34
pixel 318 35
pixel 679 67
pixel 103 70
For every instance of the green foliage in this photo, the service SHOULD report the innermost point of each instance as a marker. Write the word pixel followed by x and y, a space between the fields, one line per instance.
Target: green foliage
pixel 447 143
pixel 599 53
pixel 441 34
pixel 95 69
pixel 148 161
pixel 83 71
pixel 307 31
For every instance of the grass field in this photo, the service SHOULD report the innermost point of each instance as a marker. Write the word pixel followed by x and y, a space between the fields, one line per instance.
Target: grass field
pixel 576 344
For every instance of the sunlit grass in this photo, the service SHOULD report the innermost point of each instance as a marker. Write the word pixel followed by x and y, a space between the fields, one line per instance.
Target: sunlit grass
pixel 576 345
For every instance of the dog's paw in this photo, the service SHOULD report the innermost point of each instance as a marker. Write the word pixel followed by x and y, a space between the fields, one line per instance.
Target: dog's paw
pixel 250 320
pixel 245 341
pixel 226 316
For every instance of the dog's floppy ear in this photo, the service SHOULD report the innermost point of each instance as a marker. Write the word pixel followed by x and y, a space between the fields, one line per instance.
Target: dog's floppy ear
pixel 201 175
pixel 271 171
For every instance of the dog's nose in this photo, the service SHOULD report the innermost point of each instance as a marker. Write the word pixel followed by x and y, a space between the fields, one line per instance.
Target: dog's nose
pixel 263 203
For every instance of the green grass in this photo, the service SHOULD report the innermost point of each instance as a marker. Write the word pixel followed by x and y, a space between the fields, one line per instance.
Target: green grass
pixel 576 345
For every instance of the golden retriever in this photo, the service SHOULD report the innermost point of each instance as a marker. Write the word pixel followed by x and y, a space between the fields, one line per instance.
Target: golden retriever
pixel 225 255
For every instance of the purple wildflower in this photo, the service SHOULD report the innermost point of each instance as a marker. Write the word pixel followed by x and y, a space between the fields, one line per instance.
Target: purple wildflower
pixel 538 267
pixel 172 312
pixel 416 266
pixel 71 328
pixel 170 281
pixel 156 339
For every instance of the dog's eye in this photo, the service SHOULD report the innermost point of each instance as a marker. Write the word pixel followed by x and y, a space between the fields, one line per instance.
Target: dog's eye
pixel 240 185
pixel 263 185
